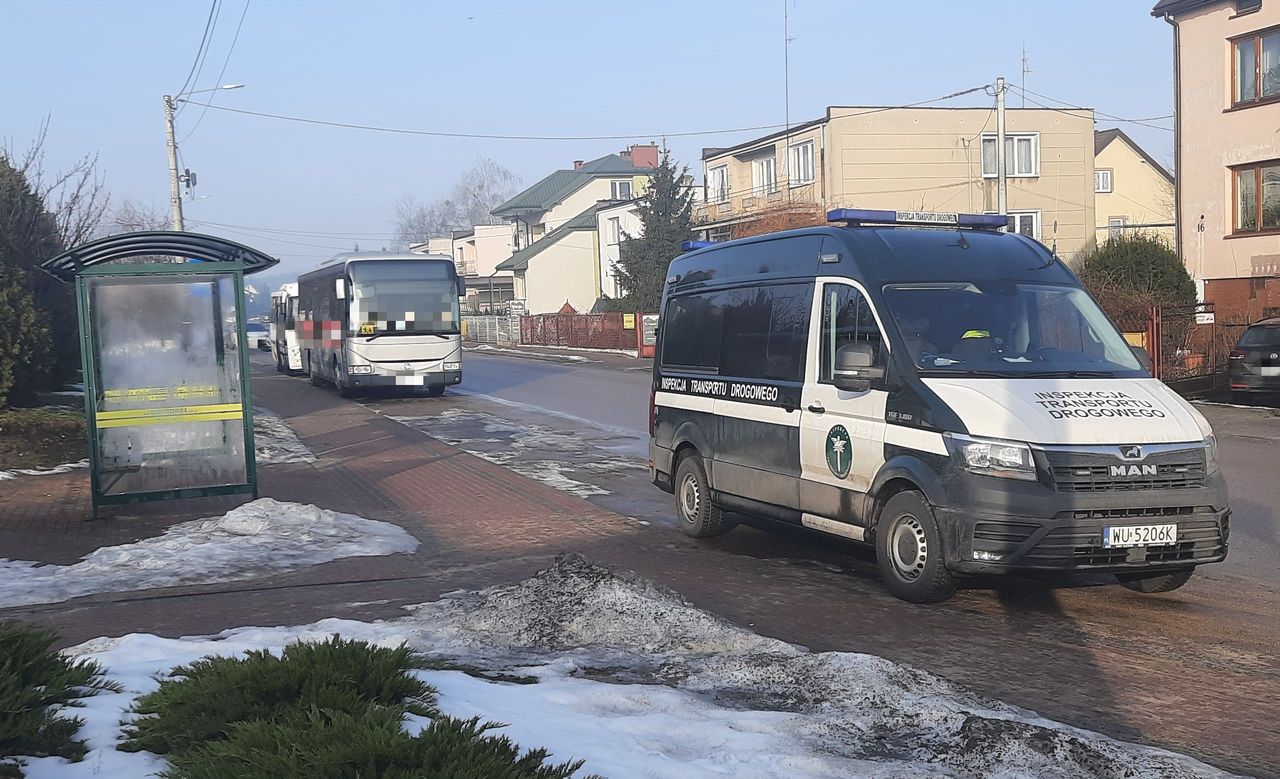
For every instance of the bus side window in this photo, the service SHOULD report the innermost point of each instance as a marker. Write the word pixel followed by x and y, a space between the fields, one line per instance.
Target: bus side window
pixel 846 318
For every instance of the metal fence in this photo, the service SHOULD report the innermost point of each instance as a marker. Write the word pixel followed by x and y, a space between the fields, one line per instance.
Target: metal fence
pixel 580 331
pixel 1187 345
pixel 497 330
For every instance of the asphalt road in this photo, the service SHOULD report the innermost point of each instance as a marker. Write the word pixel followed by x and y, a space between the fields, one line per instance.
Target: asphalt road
pixel 615 399
pixel 1195 670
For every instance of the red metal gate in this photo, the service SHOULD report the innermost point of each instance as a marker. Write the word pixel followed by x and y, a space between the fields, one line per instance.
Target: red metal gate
pixel 581 331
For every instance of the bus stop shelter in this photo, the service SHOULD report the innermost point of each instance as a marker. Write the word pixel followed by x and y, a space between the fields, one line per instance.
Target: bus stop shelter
pixel 166 363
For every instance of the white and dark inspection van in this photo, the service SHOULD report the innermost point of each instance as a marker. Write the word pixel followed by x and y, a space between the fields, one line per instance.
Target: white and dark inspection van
pixel 936 387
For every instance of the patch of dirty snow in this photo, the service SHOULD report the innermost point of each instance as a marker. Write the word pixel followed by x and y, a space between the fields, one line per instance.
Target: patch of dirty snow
pixel 531 450
pixel 638 683
pixel 275 442
pixel 258 538
pixel 64 468
pixel 526 353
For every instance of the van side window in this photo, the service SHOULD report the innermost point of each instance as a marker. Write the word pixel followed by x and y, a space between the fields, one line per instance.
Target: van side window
pixel 691 331
pixel 846 318
pixel 764 331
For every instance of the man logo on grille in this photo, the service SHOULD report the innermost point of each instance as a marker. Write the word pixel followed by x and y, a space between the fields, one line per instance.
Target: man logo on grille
pixel 1131 452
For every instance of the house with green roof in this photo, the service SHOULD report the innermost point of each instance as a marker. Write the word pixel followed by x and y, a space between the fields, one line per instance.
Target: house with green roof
pixel 556 258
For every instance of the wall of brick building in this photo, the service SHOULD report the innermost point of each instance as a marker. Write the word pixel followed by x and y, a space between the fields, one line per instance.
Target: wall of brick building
pixel 1241 301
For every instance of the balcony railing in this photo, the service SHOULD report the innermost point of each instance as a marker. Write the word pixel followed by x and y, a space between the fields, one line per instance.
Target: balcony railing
pixel 720 206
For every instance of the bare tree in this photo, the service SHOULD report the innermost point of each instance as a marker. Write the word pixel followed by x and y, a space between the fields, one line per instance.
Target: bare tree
pixel 76 197
pixel 471 199
pixel 134 216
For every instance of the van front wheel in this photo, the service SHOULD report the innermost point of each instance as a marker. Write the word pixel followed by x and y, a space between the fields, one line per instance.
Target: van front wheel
pixel 699 518
pixel 909 551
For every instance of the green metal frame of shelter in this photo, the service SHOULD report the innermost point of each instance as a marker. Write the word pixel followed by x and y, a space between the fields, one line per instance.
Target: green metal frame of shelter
pixel 205 255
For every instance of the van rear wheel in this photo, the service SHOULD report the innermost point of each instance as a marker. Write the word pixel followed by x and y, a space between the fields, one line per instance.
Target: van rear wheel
pixel 1154 583
pixel 909 551
pixel 699 517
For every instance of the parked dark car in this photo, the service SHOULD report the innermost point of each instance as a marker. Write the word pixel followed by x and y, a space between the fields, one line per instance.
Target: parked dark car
pixel 1255 362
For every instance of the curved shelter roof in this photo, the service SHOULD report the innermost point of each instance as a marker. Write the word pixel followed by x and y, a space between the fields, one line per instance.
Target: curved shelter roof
pixel 194 246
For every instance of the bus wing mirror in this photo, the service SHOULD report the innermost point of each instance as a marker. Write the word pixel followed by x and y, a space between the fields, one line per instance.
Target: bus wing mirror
pixel 1144 359
pixel 340 288
pixel 462 286
pixel 855 368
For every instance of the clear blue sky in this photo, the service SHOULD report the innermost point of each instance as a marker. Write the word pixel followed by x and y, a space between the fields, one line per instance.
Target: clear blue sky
pixel 560 67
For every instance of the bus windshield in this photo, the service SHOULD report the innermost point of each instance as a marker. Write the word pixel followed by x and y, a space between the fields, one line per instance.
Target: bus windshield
pixel 403 297
pixel 1008 329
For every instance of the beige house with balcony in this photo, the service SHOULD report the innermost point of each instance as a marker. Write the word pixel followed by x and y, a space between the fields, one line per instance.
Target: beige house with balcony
pixel 477 253
pixel 939 159
pixel 1133 193
pixel 1227 148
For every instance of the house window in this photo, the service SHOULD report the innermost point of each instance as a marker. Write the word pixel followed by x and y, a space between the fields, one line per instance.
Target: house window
pixel 1025 222
pixel 1115 226
pixel 622 190
pixel 1257 196
pixel 718 184
pixel 800 163
pixel 764 176
pixel 1021 155
pixel 1256 67
pixel 615 229
pixel 1102 181
pixel 720 233
pixel 1245 6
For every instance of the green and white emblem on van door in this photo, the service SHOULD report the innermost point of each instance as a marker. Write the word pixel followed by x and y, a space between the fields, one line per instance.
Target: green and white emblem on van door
pixel 839 451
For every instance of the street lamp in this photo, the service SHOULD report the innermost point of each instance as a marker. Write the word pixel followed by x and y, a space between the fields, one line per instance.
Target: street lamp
pixel 175 196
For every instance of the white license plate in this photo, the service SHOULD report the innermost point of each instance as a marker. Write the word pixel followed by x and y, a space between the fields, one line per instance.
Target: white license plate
pixel 1139 535
pixel 1271 370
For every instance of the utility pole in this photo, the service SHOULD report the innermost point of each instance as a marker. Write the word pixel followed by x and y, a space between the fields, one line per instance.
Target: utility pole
pixel 175 196
pixel 1002 176
pixel 786 96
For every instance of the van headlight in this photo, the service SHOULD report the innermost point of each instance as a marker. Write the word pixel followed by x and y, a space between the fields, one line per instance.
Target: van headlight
pixel 360 370
pixel 1210 454
pixel 988 457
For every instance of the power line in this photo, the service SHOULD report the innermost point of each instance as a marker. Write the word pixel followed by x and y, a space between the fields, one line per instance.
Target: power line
pixel 1145 122
pixel 204 55
pixel 503 137
pixel 303 233
pixel 273 237
pixel 234 39
pixel 204 40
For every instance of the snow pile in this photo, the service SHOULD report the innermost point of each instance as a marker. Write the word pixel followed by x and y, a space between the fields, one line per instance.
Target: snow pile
pixel 275 442
pixel 533 451
pixel 258 538
pixel 638 683
pixel 64 468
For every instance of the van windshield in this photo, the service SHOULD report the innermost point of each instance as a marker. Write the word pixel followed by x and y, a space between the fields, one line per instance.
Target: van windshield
pixel 1008 329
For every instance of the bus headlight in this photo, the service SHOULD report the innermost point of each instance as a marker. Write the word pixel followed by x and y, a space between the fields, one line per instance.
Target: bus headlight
pixel 360 370
pixel 988 457
pixel 453 366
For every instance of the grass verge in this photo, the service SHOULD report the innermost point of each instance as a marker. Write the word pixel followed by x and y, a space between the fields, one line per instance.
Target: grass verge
pixel 36 685
pixel 40 438
pixel 320 710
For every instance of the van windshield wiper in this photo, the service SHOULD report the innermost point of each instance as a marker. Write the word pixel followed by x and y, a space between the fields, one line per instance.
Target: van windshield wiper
pixel 968 372
pixel 1069 375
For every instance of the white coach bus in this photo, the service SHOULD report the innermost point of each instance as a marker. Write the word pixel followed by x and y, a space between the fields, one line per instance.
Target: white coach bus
pixel 370 320
pixel 284 331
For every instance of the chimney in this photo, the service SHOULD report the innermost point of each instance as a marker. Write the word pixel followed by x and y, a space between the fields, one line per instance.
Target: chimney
pixel 577 164
pixel 642 155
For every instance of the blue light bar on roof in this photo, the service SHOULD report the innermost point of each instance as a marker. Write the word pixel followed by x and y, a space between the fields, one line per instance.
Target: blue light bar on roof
pixel 853 217
pixel 689 246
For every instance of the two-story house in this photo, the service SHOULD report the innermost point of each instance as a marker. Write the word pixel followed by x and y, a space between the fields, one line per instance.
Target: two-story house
pixel 477 252
pixel 1132 191
pixel 1227 148
pixel 941 159
pixel 556 253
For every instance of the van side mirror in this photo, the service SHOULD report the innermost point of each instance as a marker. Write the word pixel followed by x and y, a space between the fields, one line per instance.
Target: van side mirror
pixel 855 369
pixel 1144 359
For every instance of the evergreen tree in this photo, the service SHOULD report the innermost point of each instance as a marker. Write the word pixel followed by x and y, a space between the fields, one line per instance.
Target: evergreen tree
pixel 38 335
pixel 666 221
pixel 1137 270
